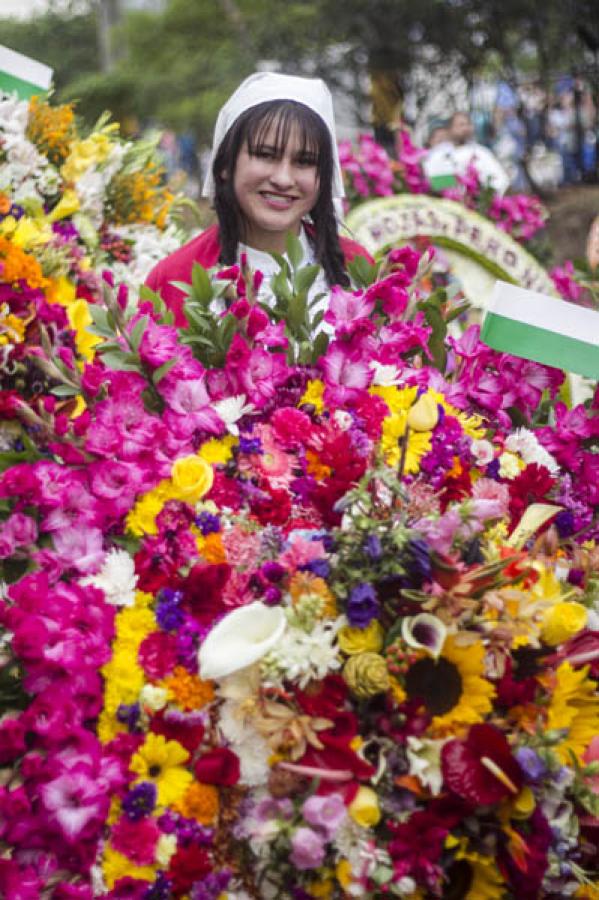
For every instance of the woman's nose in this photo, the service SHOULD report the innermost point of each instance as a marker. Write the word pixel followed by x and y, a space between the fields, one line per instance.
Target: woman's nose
pixel 282 173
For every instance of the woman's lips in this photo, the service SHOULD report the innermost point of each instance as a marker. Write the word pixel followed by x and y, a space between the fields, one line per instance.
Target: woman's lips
pixel 277 201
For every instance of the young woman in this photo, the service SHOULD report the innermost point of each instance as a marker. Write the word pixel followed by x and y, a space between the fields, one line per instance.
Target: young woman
pixel 274 169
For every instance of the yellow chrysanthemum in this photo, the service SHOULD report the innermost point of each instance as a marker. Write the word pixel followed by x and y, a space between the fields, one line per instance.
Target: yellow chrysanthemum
pixel 141 520
pixel 116 865
pixel 313 395
pixel 12 328
pixel 218 451
pixel 476 693
pixel 160 761
pixel 419 443
pixel 574 706
pixel 188 691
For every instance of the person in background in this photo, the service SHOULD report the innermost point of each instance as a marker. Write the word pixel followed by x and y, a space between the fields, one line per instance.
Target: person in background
pixel 274 169
pixel 461 151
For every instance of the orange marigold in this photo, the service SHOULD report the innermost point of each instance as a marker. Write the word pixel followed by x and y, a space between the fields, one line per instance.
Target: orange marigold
pixel 213 550
pixel 304 583
pixel 51 128
pixel 200 802
pixel 16 265
pixel 315 467
pixel 187 690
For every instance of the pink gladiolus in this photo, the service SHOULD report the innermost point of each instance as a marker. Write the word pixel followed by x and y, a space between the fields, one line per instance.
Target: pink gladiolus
pixel 73 801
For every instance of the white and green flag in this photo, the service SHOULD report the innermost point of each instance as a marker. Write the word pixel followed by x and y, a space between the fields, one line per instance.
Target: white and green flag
pixel 537 326
pixel 21 74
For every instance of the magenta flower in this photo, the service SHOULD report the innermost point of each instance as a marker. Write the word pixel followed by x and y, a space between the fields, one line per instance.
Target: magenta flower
pixel 307 849
pixel 74 802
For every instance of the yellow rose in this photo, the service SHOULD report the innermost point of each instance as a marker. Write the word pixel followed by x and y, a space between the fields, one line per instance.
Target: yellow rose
pixel 366 675
pixel 192 477
pixel 359 640
pixel 424 415
pixel 562 621
pixel 364 808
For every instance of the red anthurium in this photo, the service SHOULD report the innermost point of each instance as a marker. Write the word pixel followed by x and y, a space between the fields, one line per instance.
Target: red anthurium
pixel 481 768
pixel 218 766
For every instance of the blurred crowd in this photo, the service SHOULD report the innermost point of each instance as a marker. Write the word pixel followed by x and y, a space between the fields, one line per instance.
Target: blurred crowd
pixel 540 139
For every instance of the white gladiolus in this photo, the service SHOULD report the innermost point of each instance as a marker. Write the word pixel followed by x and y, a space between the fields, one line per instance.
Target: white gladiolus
pixel 241 639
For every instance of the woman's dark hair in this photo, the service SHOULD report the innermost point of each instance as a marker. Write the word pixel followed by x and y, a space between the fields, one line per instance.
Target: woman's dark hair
pixel 252 126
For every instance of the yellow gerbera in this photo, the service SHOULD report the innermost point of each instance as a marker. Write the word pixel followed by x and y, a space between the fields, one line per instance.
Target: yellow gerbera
pixel 574 706
pixel 472 425
pixel 159 761
pixel 475 692
pixel 397 399
pixel 419 443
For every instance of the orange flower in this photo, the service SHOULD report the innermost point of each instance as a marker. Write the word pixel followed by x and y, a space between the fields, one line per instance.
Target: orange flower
pixel 200 802
pixel 315 467
pixel 4 204
pixel 187 690
pixel 213 550
pixel 20 266
pixel 51 128
pixel 304 583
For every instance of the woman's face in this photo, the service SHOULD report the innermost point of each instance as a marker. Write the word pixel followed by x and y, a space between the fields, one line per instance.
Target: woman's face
pixel 275 191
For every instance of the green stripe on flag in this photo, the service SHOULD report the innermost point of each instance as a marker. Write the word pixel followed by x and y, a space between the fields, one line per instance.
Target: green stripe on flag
pixel 541 345
pixel 24 89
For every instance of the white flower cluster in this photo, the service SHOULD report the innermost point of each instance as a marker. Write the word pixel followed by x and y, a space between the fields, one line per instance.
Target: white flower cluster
pixel 235 724
pixel 116 578
pixel 525 443
pixel 26 172
pixel 302 656
pixel 150 245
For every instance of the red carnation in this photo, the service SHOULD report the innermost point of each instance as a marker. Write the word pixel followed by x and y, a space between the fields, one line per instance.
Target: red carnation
pixel 189 864
pixel 531 485
pixel 203 589
pixel 188 735
pixel 218 766
pixel 481 768
pixel 272 508
pixel 157 654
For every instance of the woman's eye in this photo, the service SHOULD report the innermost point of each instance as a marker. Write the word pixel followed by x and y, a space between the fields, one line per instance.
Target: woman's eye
pixel 263 153
pixel 306 161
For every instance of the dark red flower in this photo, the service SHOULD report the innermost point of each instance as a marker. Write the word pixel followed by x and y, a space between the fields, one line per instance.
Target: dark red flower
pixel 188 735
pixel 225 491
pixel 203 589
pixel 189 864
pixel 531 485
pixel 218 766
pixel 515 691
pixel 417 846
pixel 272 507
pixel 157 654
pixel 525 875
pixel 481 768
pixel 456 487
pixel 153 571
pixel 326 699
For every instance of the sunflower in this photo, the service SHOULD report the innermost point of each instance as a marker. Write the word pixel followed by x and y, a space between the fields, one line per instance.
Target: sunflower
pixel 574 707
pixel 159 761
pixel 453 687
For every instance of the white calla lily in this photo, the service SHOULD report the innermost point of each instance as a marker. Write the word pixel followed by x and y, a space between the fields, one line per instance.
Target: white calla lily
pixel 424 632
pixel 241 639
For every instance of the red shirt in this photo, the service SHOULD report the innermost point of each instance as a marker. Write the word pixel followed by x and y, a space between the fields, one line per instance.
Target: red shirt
pixel 205 249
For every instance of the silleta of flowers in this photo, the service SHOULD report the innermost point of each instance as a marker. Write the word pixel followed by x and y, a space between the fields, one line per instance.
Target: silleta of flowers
pixel 71 204
pixel 300 619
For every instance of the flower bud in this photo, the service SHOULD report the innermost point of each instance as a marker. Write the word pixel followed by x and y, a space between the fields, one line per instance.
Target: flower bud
pixel 424 414
pixel 366 675
pixel 562 621
pixel 364 808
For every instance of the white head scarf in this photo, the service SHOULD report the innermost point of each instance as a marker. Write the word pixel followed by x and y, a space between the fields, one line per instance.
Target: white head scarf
pixel 263 86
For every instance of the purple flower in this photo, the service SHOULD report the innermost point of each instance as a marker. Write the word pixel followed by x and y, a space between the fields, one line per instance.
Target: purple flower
pixel 140 801
pixel 128 715
pixel 307 849
pixel 160 890
pixel 169 614
pixel 373 547
pixel 325 812
pixel 208 523
pixel 531 763
pixel 362 605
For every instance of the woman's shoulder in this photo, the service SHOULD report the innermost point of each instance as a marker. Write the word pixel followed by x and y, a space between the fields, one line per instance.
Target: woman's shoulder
pixel 204 249
pixel 351 249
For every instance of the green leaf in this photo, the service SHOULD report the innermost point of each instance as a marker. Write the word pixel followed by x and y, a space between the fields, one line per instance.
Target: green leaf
pixel 305 278
pixel 280 286
pixel 65 390
pixel 321 342
pixel 99 316
pixel 162 370
pixel 119 361
pixel 146 293
pixel 202 286
pixel 295 251
pixel 137 333
pixel 361 272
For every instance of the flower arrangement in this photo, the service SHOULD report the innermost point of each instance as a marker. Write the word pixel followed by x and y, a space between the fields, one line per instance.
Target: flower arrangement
pixel 342 597
pixel 70 205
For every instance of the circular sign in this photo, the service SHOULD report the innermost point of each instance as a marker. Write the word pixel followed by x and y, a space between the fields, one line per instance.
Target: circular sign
pixel 478 253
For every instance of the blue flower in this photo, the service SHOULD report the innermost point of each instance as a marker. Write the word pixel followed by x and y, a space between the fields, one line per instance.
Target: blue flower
pixel 362 605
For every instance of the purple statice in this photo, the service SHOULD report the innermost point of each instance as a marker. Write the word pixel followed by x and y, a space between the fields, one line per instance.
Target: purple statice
pixel 128 714
pixel 140 801
pixel 564 522
pixel 250 445
pixel 492 470
pixel 160 890
pixel 272 595
pixel 211 887
pixel 362 605
pixel 208 523
pixel 169 613
pixel 448 441
pixel 188 638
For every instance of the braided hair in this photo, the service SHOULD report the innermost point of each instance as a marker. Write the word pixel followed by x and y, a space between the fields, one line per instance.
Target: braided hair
pixel 252 126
